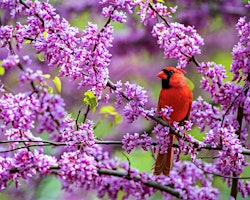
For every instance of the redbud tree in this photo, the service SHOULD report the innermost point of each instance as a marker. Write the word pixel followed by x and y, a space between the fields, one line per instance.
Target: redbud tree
pixel 61 85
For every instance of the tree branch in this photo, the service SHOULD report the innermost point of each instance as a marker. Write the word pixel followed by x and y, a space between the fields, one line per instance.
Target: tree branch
pixel 240 114
pixel 51 143
pixel 152 184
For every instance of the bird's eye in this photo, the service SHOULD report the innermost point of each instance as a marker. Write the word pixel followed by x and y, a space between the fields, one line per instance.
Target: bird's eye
pixel 170 73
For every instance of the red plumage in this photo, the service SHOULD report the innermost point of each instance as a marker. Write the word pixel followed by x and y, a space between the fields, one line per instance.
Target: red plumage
pixel 175 93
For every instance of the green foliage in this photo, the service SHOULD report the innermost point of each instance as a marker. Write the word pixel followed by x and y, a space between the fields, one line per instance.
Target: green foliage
pixel 101 129
pixel 197 134
pixel 81 20
pixel 140 159
pixel 47 76
pixel 90 100
pixel 110 111
pixel 216 24
pixel 49 189
pixel 50 90
pixel 58 84
pixel 118 26
pixel 225 59
pixel 2 70
pixel 40 57
pixel 27 41
pixel 190 83
pixel 45 34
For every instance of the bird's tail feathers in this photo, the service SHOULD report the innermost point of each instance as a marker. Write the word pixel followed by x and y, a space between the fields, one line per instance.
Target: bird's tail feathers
pixel 163 163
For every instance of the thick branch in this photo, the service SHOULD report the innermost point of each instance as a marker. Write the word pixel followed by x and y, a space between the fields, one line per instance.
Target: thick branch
pixel 148 183
pixel 240 114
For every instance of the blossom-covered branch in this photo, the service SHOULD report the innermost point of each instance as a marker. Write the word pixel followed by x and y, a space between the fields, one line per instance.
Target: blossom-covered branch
pixel 84 58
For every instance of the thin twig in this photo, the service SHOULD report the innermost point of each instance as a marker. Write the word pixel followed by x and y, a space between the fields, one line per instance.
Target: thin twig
pixel 48 143
pixel 86 113
pixel 231 105
pixel 223 176
pixel 162 18
pixel 6 88
pixel 77 117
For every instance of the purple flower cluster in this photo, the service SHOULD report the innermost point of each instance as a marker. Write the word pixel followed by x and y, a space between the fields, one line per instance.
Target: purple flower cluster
pixel 212 138
pixel 184 176
pixel 22 110
pixel 178 41
pixel 95 58
pixel 162 138
pixel 6 34
pixel 242 188
pixel 77 168
pixel 230 158
pixel 132 187
pixel 241 51
pixel 212 82
pixel 83 136
pixel 166 112
pixel 118 91
pixel 17 134
pixel 25 164
pixel 6 164
pixel 29 75
pixel 130 141
pixel 127 5
pixel 248 187
pixel 214 72
pixel 185 144
pixel 10 61
pixel 205 115
pixel 18 110
pixel 84 57
pixel 80 56
pixel 137 97
pixel 51 112
pixel 8 4
pixel 115 15
pixel 147 13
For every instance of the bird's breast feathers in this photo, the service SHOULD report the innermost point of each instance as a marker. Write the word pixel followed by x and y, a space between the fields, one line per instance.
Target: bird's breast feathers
pixel 180 99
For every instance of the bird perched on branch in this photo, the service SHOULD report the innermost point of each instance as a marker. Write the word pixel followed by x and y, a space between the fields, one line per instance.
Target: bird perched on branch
pixel 176 93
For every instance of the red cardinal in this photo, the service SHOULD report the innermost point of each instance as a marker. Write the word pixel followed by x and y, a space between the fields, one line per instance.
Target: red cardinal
pixel 175 93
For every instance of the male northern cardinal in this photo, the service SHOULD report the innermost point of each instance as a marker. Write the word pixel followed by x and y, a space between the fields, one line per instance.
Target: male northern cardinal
pixel 175 93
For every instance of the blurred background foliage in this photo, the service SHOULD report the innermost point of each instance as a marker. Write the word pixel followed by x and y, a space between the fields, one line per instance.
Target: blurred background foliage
pixel 135 58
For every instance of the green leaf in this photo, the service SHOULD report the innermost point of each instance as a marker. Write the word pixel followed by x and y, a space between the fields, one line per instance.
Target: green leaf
pixel 40 57
pixel 110 110
pixel 118 119
pixel 57 82
pixel 2 70
pixel 160 1
pixel 47 76
pixel 45 34
pixel 50 90
pixel 90 100
pixel 190 83
pixel 27 41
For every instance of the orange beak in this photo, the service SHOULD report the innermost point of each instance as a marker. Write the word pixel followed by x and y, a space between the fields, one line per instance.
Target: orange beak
pixel 162 75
